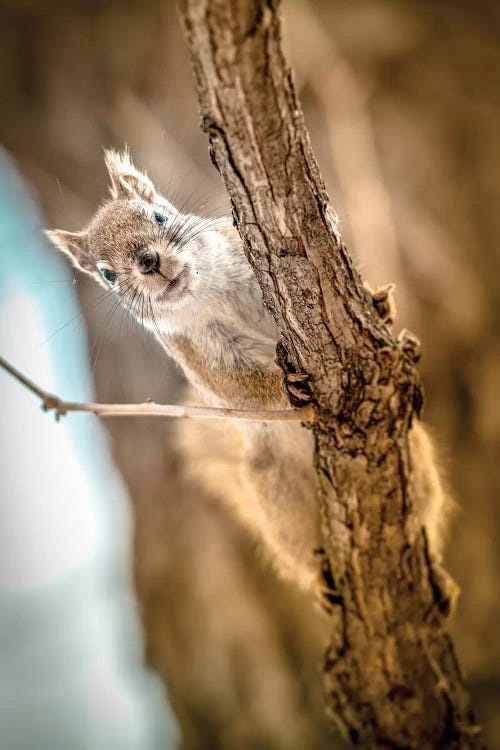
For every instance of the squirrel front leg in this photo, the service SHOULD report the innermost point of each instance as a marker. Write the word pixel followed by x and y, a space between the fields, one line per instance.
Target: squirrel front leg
pixel 234 387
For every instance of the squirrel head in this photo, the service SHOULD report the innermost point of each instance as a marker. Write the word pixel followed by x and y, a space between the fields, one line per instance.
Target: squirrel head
pixel 157 259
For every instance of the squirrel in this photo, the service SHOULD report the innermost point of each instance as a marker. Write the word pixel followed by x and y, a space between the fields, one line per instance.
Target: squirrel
pixel 188 281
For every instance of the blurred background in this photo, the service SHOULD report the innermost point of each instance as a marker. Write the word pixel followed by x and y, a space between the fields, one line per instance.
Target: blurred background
pixel 403 106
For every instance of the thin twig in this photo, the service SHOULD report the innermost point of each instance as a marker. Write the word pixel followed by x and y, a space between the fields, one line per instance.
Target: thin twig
pixel 152 409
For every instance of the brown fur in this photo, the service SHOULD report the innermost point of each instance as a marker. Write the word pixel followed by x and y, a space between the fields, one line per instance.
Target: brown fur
pixel 217 328
pixel 238 388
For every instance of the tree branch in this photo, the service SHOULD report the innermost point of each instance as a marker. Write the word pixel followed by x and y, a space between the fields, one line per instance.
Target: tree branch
pixel 391 676
pixel 151 409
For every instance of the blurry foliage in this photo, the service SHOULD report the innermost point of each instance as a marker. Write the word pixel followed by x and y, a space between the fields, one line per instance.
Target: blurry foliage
pixel 402 102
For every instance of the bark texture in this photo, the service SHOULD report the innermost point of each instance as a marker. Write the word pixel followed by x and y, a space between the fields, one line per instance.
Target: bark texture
pixel 391 676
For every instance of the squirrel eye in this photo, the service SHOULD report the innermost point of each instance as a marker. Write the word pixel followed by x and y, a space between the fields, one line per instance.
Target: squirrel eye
pixel 159 217
pixel 108 275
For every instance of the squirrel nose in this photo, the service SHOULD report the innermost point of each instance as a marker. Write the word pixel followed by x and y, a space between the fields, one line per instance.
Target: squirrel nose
pixel 148 261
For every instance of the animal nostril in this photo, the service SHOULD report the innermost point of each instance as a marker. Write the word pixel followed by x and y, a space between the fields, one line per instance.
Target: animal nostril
pixel 148 261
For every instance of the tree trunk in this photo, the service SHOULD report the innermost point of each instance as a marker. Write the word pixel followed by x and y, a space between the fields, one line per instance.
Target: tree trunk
pixel 391 676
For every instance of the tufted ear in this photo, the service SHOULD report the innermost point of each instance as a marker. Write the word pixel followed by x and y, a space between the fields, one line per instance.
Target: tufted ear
pixel 126 180
pixel 72 244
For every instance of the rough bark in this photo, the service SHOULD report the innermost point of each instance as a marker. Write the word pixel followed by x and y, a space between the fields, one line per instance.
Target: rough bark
pixel 391 676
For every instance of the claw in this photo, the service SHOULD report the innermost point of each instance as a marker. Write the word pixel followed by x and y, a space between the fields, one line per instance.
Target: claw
pixel 327 596
pixel 297 377
pixel 299 394
pixel 410 344
pixel 383 300
pixel 446 590
pixel 296 383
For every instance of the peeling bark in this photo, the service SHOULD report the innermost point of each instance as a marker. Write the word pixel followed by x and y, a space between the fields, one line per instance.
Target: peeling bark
pixel 391 676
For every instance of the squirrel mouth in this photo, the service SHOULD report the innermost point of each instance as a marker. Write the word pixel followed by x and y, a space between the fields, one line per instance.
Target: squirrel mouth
pixel 175 287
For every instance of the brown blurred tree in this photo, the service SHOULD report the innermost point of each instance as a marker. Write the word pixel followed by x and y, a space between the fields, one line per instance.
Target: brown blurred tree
pixel 75 76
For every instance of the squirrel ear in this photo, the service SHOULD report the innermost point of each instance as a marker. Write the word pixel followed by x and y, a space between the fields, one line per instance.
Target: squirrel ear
pixel 72 244
pixel 126 180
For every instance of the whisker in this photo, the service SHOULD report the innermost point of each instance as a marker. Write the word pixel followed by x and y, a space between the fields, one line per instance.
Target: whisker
pixel 78 315
pixel 96 349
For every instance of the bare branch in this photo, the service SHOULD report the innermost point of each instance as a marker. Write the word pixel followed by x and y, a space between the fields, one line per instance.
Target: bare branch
pixel 152 409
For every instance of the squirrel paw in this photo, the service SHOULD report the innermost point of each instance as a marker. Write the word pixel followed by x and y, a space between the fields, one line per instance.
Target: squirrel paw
pixel 296 383
pixel 446 590
pixel 298 388
pixel 410 344
pixel 383 301
pixel 326 595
